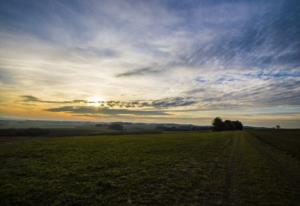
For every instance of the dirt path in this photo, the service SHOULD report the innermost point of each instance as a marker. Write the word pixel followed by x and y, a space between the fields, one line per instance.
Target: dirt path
pixel 222 174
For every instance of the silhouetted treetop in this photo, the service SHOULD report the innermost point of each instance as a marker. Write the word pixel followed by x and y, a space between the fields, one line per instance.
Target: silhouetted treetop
pixel 219 125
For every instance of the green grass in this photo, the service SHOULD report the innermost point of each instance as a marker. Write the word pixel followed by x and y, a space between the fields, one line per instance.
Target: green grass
pixel 285 140
pixel 180 168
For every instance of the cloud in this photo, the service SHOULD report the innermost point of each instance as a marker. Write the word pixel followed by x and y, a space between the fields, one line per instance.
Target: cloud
pixel 263 93
pixel 161 103
pixel 139 72
pixel 29 98
pixel 106 111
pixel 173 102
pixel 195 91
pixel 258 40
pixel 6 77
pixel 95 52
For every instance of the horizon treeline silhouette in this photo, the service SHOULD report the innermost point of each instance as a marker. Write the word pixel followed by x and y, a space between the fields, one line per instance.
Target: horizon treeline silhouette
pixel 220 125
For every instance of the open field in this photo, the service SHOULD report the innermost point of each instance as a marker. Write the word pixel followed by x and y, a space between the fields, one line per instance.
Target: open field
pixel 180 168
pixel 285 140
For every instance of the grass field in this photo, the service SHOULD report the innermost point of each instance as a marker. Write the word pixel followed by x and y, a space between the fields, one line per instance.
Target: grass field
pixel 180 168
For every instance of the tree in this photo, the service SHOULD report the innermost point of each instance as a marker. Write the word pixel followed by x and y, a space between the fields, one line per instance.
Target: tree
pixel 218 124
pixel 238 125
pixel 229 125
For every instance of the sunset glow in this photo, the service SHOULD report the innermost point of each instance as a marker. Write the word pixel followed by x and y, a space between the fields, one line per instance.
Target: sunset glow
pixel 94 101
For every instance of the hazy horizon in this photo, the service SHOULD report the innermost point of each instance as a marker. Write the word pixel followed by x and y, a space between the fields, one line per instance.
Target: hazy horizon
pixel 151 61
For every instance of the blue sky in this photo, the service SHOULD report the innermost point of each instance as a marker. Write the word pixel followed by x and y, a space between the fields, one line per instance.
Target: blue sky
pixel 167 61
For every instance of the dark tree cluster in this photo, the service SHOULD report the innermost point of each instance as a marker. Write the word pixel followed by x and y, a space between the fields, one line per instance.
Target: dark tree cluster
pixel 220 125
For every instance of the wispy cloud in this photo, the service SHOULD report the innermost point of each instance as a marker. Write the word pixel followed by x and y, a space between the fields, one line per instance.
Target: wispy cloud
pixel 106 111
pixel 191 55
pixel 29 98
pixel 139 72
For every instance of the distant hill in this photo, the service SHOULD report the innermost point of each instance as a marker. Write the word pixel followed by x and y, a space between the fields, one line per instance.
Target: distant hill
pixel 64 128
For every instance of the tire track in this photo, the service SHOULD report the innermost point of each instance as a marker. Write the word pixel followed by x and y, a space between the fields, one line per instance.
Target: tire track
pixel 234 159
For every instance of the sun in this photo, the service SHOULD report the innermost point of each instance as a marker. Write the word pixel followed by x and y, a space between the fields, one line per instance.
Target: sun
pixel 94 101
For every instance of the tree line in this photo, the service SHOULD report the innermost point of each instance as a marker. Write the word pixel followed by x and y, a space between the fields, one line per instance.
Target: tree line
pixel 220 125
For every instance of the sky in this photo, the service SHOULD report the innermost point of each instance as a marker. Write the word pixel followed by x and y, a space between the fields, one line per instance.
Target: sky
pixel 151 61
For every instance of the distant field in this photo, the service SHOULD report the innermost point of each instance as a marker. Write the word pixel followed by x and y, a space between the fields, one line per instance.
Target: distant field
pixel 181 168
pixel 288 141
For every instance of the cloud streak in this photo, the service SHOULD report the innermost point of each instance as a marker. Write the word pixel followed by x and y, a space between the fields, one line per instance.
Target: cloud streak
pixel 105 111
pixel 139 72
pixel 161 103
pixel 29 98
